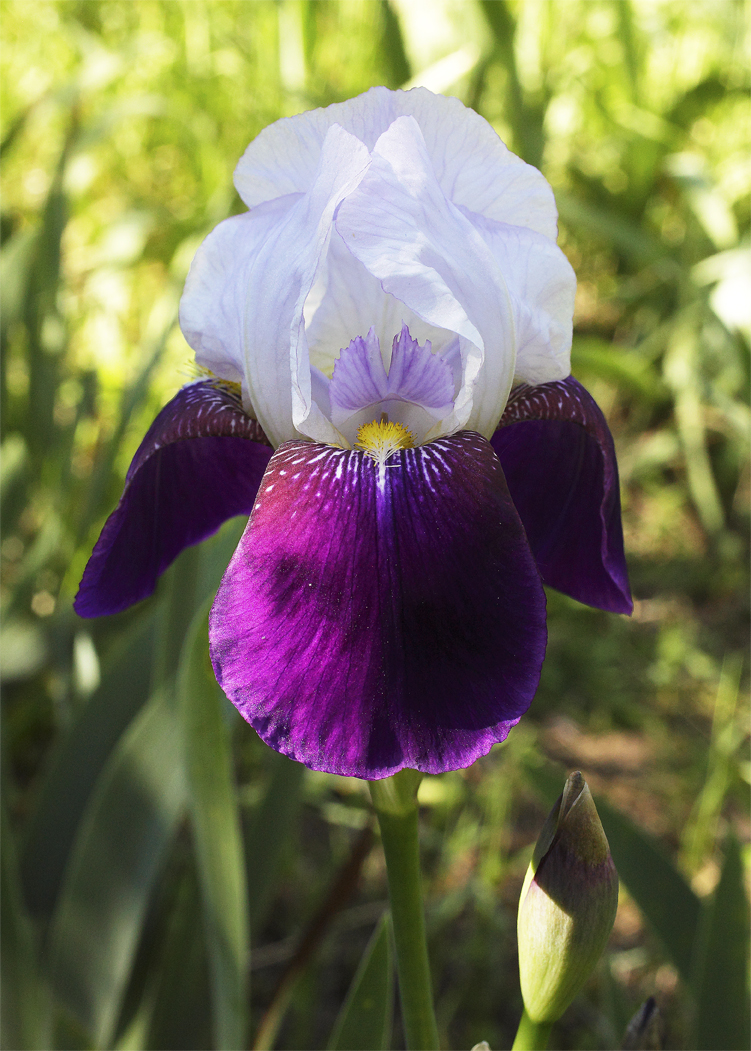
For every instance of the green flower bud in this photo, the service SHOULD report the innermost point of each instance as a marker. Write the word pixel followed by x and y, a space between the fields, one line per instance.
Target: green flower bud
pixel 567 905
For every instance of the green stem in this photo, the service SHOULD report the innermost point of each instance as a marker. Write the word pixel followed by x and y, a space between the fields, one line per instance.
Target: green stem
pixel 395 803
pixel 532 1036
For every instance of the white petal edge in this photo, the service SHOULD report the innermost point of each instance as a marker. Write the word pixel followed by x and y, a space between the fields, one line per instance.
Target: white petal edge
pixel 471 163
pixel 542 285
pixel 212 306
pixel 277 362
pixel 425 252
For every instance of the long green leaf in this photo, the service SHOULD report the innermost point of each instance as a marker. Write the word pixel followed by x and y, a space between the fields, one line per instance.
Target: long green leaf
pixel 78 763
pixel 116 858
pixel 216 832
pixel 666 900
pixel 181 1010
pixel 365 1019
pixel 25 1017
pixel 721 984
pixel 278 810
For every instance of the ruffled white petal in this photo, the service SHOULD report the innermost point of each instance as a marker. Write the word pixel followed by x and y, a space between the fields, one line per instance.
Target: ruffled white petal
pixel 472 165
pixel 349 302
pixel 212 307
pixel 426 253
pixel 392 208
pixel 278 282
pixel 542 286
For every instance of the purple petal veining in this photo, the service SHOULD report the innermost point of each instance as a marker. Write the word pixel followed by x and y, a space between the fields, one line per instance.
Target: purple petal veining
pixel 415 375
pixel 376 617
pixel 200 464
pixel 559 460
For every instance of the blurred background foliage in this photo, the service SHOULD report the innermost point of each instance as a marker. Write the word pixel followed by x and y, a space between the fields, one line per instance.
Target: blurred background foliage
pixel 146 831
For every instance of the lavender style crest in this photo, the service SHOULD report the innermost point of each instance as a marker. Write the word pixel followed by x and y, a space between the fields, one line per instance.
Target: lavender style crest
pixel 385 339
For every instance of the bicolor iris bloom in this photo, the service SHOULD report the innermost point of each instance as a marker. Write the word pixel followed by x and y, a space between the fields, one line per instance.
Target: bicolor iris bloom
pixel 385 335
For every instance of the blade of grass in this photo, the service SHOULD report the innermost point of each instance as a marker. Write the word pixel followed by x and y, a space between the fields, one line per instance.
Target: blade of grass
pixel 181 1014
pixel 365 1019
pixel 682 374
pixel 117 856
pixel 78 763
pixel 392 47
pixel 526 115
pixel 666 900
pixel 721 982
pixel 341 887
pixel 25 1015
pixel 278 810
pixel 727 735
pixel 216 833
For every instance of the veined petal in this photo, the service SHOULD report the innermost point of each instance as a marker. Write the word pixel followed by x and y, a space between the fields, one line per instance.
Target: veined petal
pixel 376 617
pixel 418 375
pixel 200 464
pixel 559 460
pixel 417 391
pixel 473 167
pixel 277 284
pixel 351 302
pixel 425 252
pixel 542 287
pixel 213 303
pixel 359 377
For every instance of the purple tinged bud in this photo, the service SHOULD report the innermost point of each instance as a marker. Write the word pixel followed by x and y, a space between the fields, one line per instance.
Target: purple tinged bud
pixel 567 905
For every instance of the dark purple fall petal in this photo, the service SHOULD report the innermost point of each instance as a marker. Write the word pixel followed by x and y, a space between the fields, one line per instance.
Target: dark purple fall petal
pixel 379 617
pixel 200 464
pixel 559 461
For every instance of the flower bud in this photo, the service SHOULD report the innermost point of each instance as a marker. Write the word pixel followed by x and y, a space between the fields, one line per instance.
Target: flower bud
pixel 567 905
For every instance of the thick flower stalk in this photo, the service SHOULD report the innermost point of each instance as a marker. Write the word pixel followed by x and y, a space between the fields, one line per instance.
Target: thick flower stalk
pixel 385 336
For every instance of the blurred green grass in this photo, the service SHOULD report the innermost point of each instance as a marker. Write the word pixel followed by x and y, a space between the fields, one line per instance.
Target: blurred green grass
pixel 122 123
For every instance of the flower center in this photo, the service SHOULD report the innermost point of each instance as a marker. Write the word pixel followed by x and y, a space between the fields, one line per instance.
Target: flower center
pixel 380 438
pixel 416 391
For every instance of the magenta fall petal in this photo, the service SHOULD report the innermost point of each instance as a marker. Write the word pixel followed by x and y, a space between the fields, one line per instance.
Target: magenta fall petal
pixel 559 460
pixel 200 464
pixel 379 617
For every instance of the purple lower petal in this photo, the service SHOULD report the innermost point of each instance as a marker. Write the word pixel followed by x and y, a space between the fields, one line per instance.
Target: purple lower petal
pixel 559 460
pixel 200 464
pixel 375 618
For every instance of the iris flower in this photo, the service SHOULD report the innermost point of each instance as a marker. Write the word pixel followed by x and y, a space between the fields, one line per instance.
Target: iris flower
pixel 386 337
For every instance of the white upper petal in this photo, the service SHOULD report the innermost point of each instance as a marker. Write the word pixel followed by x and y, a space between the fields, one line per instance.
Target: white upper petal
pixel 212 307
pixel 426 253
pixel 391 208
pixel 542 286
pixel 351 302
pixel 278 281
pixel 471 164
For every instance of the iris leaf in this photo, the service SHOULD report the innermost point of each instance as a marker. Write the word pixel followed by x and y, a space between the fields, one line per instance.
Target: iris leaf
pixel 25 1006
pixel 721 982
pixel 216 833
pixel 180 1000
pixel 117 855
pixel 278 810
pixel 366 1015
pixel 80 760
pixel 666 900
